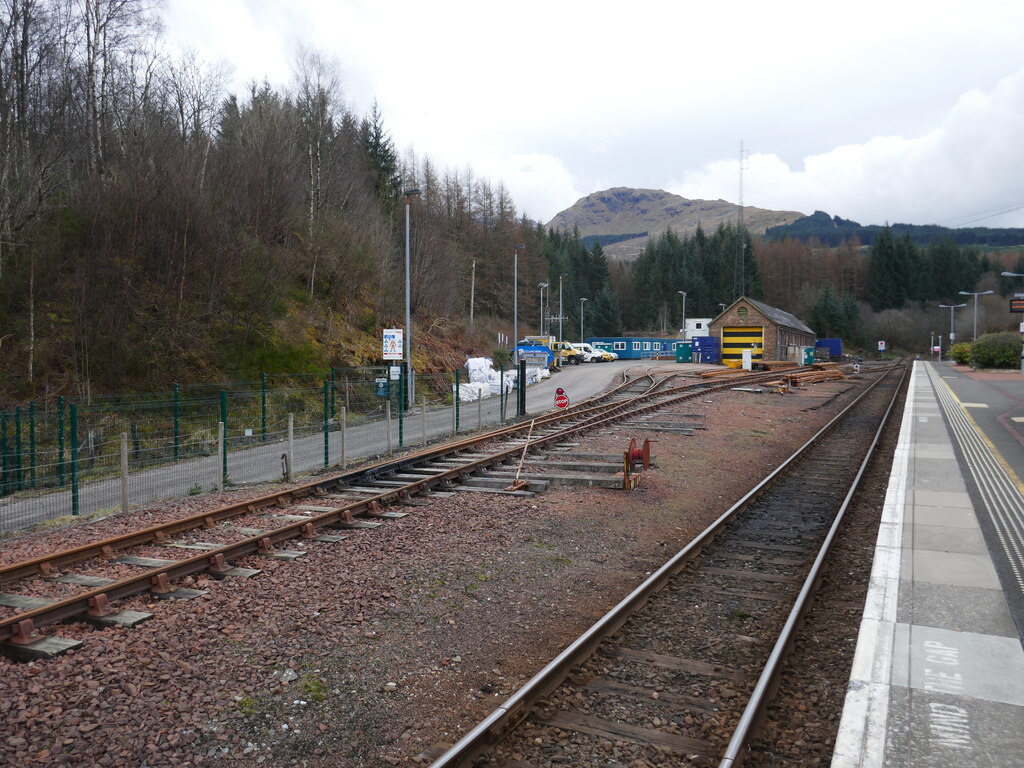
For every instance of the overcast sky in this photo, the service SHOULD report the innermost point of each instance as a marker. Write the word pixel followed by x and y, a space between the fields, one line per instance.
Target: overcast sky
pixel 898 111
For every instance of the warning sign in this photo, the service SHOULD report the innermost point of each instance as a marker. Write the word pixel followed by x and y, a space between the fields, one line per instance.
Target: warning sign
pixel 561 399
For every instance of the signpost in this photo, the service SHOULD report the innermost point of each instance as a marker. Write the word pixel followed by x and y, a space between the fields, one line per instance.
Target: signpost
pixel 561 399
pixel 881 346
pixel 394 348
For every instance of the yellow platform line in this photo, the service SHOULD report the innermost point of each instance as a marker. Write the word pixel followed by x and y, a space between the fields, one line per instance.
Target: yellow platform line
pixel 991 446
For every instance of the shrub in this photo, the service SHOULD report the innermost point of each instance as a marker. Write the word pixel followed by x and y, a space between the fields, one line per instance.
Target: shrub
pixel 997 350
pixel 501 357
pixel 961 352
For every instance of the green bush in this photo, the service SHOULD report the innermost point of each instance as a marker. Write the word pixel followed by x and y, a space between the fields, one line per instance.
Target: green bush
pixel 501 357
pixel 961 352
pixel 996 350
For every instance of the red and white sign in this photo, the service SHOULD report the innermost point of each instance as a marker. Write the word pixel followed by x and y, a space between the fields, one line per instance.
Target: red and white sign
pixel 561 399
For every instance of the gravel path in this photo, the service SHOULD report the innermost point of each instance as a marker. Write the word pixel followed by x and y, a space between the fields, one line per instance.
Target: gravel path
pixel 367 652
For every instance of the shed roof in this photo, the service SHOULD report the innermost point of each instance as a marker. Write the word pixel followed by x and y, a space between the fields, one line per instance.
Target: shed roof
pixel 777 316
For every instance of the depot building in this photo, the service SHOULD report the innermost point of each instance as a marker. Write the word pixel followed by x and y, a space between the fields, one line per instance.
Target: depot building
pixel 767 332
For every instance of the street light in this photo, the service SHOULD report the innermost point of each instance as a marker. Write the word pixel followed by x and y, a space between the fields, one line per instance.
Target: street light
pixel 581 319
pixel 561 314
pixel 515 298
pixel 683 294
pixel 721 308
pixel 542 286
pixel 952 310
pixel 975 294
pixel 409 194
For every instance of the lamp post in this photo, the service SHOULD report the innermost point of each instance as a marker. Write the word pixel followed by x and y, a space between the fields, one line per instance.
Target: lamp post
pixel 1018 274
pixel 721 308
pixel 542 286
pixel 581 319
pixel 515 298
pixel 561 315
pixel 411 398
pixel 975 294
pixel 683 294
pixel 952 311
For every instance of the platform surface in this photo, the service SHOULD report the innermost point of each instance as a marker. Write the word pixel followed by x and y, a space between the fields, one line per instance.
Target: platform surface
pixel 938 675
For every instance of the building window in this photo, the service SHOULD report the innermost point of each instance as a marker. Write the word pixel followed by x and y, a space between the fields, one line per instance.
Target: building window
pixel 647 346
pixel 617 345
pixel 636 345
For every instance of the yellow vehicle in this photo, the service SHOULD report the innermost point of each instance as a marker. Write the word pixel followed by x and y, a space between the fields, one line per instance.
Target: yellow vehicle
pixel 567 354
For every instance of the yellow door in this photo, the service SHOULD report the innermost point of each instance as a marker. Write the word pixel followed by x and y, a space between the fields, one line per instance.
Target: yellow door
pixel 737 338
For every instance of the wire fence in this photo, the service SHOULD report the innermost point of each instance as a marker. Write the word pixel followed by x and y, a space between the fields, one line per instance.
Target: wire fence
pixel 59 457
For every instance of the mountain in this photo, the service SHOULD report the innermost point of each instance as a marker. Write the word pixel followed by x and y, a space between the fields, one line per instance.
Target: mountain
pixel 832 230
pixel 623 218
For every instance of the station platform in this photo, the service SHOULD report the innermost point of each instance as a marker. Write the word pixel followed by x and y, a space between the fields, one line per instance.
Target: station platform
pixel 938 674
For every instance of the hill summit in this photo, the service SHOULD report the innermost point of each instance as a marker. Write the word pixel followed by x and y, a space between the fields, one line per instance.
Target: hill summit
pixel 643 213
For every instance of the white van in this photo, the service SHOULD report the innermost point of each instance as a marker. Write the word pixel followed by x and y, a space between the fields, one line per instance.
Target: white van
pixel 592 355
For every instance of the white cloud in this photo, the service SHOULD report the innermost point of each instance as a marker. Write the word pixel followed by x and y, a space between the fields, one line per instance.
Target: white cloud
pixel 965 168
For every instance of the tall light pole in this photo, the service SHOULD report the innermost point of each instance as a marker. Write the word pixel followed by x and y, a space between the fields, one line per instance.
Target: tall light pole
pixel 581 319
pixel 561 315
pixel 410 397
pixel 975 294
pixel 683 294
pixel 542 286
pixel 952 311
pixel 515 298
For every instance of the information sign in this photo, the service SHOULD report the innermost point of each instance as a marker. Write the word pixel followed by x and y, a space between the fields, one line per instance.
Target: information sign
pixel 393 344
pixel 881 346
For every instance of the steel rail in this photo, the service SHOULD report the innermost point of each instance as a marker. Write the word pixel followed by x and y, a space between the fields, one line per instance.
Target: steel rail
pixel 46 563
pixel 507 716
pixel 767 682
pixel 21 627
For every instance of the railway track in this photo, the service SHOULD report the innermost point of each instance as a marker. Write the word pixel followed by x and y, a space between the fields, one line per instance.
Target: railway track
pixel 85 583
pixel 681 670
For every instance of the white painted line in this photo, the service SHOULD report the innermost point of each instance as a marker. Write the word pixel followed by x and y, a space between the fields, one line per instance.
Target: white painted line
pixel 974 405
pixel 1018 419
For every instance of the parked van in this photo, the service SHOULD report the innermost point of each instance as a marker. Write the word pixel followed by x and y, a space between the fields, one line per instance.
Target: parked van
pixel 568 353
pixel 592 355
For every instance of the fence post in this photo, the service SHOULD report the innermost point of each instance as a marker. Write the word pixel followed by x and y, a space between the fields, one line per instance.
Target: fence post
pixel 17 449
pixel 344 425
pixel 456 400
pixel 401 408
pixel 327 421
pixel 3 454
pixel 32 444
pixel 177 420
pixel 223 437
pixel 502 398
pixel 263 408
pixel 291 446
pixel 423 418
pixel 74 458
pixel 479 408
pixel 60 439
pixel 521 390
pixel 124 471
pixel 387 422
pixel 221 451
pixel 333 386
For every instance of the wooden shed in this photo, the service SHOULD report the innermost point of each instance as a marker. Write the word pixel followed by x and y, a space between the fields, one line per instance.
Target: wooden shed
pixel 769 333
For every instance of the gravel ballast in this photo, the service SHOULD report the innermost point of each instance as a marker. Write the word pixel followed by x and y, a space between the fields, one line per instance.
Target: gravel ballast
pixel 369 651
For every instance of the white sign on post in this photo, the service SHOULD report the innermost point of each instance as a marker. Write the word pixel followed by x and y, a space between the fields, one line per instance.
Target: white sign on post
pixel 393 344
pixel 881 346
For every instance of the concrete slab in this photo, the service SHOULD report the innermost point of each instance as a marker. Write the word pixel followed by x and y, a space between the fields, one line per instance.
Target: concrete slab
pixel 960 609
pixel 939 475
pixel 949 568
pixel 935 730
pixel 959 663
pixel 949 517
pixel 937 538
pixel 926 498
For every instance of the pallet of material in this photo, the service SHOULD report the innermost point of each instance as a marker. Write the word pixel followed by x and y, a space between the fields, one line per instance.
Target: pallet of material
pixel 814 377
pixel 777 365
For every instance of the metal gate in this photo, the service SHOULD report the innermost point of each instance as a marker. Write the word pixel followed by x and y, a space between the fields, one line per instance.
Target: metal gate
pixel 736 339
